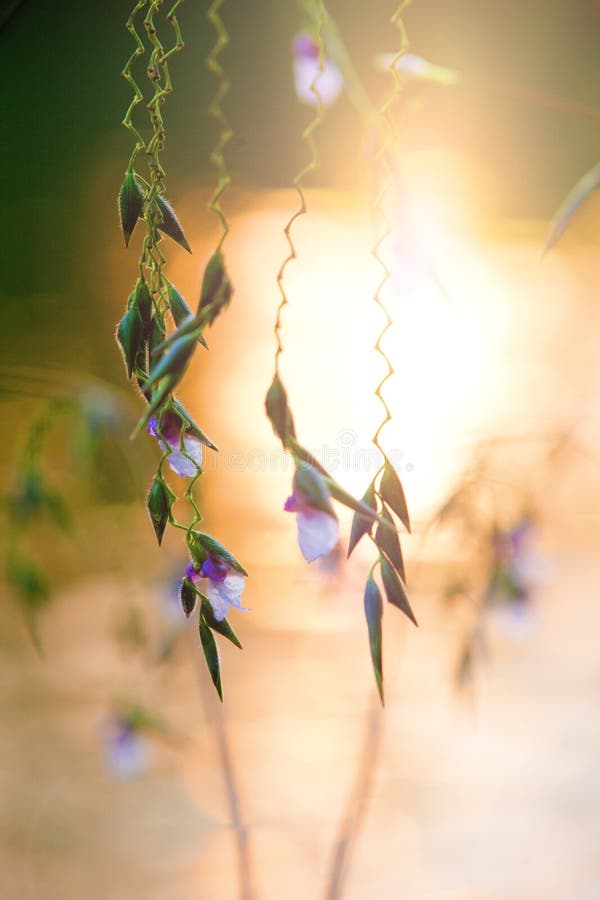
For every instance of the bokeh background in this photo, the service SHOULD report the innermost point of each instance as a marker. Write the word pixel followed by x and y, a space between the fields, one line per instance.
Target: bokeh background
pixel 479 781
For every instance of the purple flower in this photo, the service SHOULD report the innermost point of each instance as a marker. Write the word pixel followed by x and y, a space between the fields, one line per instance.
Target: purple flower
pixel 224 584
pixel 184 448
pixel 309 77
pixel 318 531
pixel 126 750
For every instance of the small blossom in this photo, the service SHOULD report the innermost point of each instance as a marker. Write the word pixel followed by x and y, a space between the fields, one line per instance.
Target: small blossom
pixel 184 460
pixel 125 749
pixel 224 585
pixel 318 531
pixel 309 77
pixel 516 572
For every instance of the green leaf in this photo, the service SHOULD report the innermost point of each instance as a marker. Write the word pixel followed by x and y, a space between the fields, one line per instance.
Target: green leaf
pixel 360 524
pixel 392 493
pixel 387 540
pixel 338 493
pixel 130 335
pixel 584 187
pixel 131 203
pixel 201 545
pixel 374 613
pixel 170 223
pixel 157 336
pixel 142 299
pixel 216 288
pixel 190 424
pixel 159 502
pixel 395 590
pixel 179 308
pixel 182 315
pixel 29 583
pixel 211 655
pixel 187 595
pixel 311 485
pixel 279 412
pixel 221 627
pixel 174 362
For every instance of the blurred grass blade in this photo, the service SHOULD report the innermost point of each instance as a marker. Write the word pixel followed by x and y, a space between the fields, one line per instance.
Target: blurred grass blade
pixel 584 187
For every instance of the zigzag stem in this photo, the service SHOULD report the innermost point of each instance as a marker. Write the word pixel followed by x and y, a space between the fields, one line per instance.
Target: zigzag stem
pixel 128 76
pixel 159 76
pixel 382 160
pixel 311 166
pixel 215 110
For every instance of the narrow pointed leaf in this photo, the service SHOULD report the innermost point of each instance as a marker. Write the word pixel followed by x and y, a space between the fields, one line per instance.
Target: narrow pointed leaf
pixel 187 595
pixel 130 336
pixel 182 315
pixel 131 203
pixel 157 335
pixel 584 187
pixel 374 613
pixel 392 493
pixel 388 541
pixel 179 308
pixel 221 627
pixel 216 288
pixel 142 299
pixel 159 502
pixel 174 362
pixel 279 412
pixel 211 655
pixel 395 590
pixel 201 544
pixel 170 223
pixel 312 486
pixel 360 524
pixel 191 425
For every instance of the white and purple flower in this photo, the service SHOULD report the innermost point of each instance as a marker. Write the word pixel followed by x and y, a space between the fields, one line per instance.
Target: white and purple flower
pixel 126 750
pixel 318 527
pixel 311 78
pixel 184 448
pixel 224 584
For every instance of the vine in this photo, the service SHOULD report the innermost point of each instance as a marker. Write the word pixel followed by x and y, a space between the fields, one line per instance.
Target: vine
pixel 158 360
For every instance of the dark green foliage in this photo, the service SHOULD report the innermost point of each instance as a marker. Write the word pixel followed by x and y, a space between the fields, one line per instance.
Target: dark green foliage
pixel 216 288
pixel 392 493
pixel 279 412
pixel 311 486
pixel 130 335
pixel 221 627
pixel 179 308
pixel 360 524
pixel 388 541
pixel 169 223
pixel 159 502
pixel 187 595
pixel 131 203
pixel 211 655
pixel 395 590
pixel 203 545
pixel 374 613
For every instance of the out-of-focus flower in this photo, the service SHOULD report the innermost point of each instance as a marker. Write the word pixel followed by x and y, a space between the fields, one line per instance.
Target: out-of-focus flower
pixel 413 66
pixel 224 585
pixel 184 450
pixel 328 81
pixel 516 572
pixel 318 527
pixel 126 750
